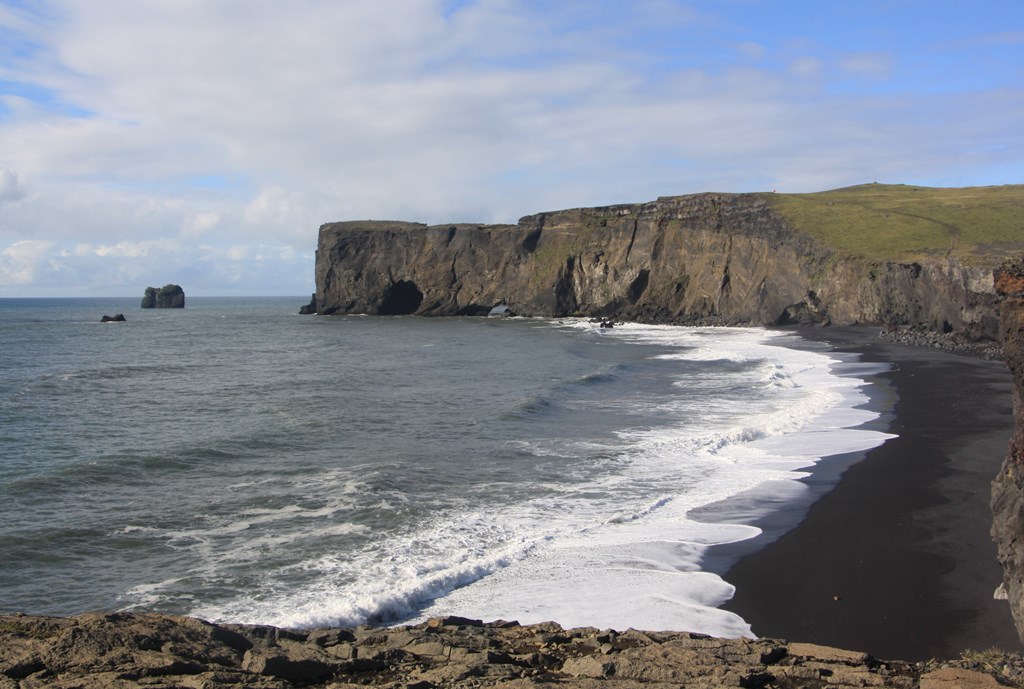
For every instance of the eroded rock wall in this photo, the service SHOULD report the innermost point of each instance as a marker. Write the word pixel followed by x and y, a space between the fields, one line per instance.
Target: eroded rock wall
pixel 1008 487
pixel 727 258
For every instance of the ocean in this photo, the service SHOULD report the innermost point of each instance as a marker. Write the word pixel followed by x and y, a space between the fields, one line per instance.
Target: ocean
pixel 238 462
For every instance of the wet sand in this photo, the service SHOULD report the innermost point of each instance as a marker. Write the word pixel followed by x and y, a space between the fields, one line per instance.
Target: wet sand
pixel 896 560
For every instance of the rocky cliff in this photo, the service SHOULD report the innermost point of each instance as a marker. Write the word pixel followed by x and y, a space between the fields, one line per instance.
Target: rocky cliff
pixel 722 258
pixel 163 652
pixel 1008 487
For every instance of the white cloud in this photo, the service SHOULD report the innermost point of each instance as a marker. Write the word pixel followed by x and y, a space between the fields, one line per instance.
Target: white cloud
pixel 271 204
pixel 142 249
pixel 198 224
pixel 996 38
pixel 238 253
pixel 10 188
pixel 244 125
pixel 752 50
pixel 868 65
pixel 23 262
pixel 806 67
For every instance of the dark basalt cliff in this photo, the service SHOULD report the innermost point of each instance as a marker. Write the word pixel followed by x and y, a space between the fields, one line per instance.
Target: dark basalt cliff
pixel 1008 487
pixel 719 258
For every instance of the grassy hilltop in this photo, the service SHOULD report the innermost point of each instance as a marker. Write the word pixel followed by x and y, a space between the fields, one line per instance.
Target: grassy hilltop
pixel 899 222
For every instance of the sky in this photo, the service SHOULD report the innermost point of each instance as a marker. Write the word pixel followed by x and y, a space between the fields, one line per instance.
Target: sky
pixel 203 142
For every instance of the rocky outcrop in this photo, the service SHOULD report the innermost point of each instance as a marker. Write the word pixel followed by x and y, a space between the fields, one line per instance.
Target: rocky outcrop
pixel 161 651
pixel 116 318
pixel 167 297
pixel 720 258
pixel 1008 487
pixel 309 308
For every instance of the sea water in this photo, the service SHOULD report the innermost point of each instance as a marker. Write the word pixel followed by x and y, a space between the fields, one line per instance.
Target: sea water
pixel 239 462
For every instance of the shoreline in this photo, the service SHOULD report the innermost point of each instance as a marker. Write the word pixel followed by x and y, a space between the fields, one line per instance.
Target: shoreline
pixel 896 559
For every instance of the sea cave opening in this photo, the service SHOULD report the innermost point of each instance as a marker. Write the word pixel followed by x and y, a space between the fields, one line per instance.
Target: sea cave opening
pixel 404 297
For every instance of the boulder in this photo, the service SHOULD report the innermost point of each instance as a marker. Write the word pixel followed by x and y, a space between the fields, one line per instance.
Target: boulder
pixel 117 318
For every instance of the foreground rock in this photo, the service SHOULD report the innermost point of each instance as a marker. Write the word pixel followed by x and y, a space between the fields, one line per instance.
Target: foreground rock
pixel 160 651
pixel 167 297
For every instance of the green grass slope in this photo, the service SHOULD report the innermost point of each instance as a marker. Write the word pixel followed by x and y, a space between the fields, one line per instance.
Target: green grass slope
pixel 897 222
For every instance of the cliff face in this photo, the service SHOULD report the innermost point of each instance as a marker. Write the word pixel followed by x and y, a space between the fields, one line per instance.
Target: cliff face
pixel 1008 487
pixel 727 258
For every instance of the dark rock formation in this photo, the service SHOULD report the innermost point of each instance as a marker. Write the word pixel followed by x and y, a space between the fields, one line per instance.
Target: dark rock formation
pixel 118 318
pixel 167 297
pixel 161 651
pixel 712 258
pixel 309 308
pixel 1008 487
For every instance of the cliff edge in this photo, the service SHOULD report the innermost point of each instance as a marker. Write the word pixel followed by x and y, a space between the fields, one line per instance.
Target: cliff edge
pixel 837 257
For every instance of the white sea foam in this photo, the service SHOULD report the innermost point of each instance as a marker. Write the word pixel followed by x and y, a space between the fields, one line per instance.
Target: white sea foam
pixel 641 568
pixel 391 581
pixel 618 550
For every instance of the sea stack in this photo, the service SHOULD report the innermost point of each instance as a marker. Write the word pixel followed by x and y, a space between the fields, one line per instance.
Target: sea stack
pixel 166 297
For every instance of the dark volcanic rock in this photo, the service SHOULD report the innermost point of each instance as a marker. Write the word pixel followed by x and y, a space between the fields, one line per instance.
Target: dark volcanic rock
pixel 167 297
pixel 1008 487
pixel 309 308
pixel 161 651
pixel 704 258
pixel 118 318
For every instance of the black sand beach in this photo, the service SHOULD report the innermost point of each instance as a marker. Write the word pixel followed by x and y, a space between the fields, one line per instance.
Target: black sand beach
pixel 897 560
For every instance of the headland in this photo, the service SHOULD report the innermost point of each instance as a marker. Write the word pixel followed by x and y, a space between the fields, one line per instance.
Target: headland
pixel 894 255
